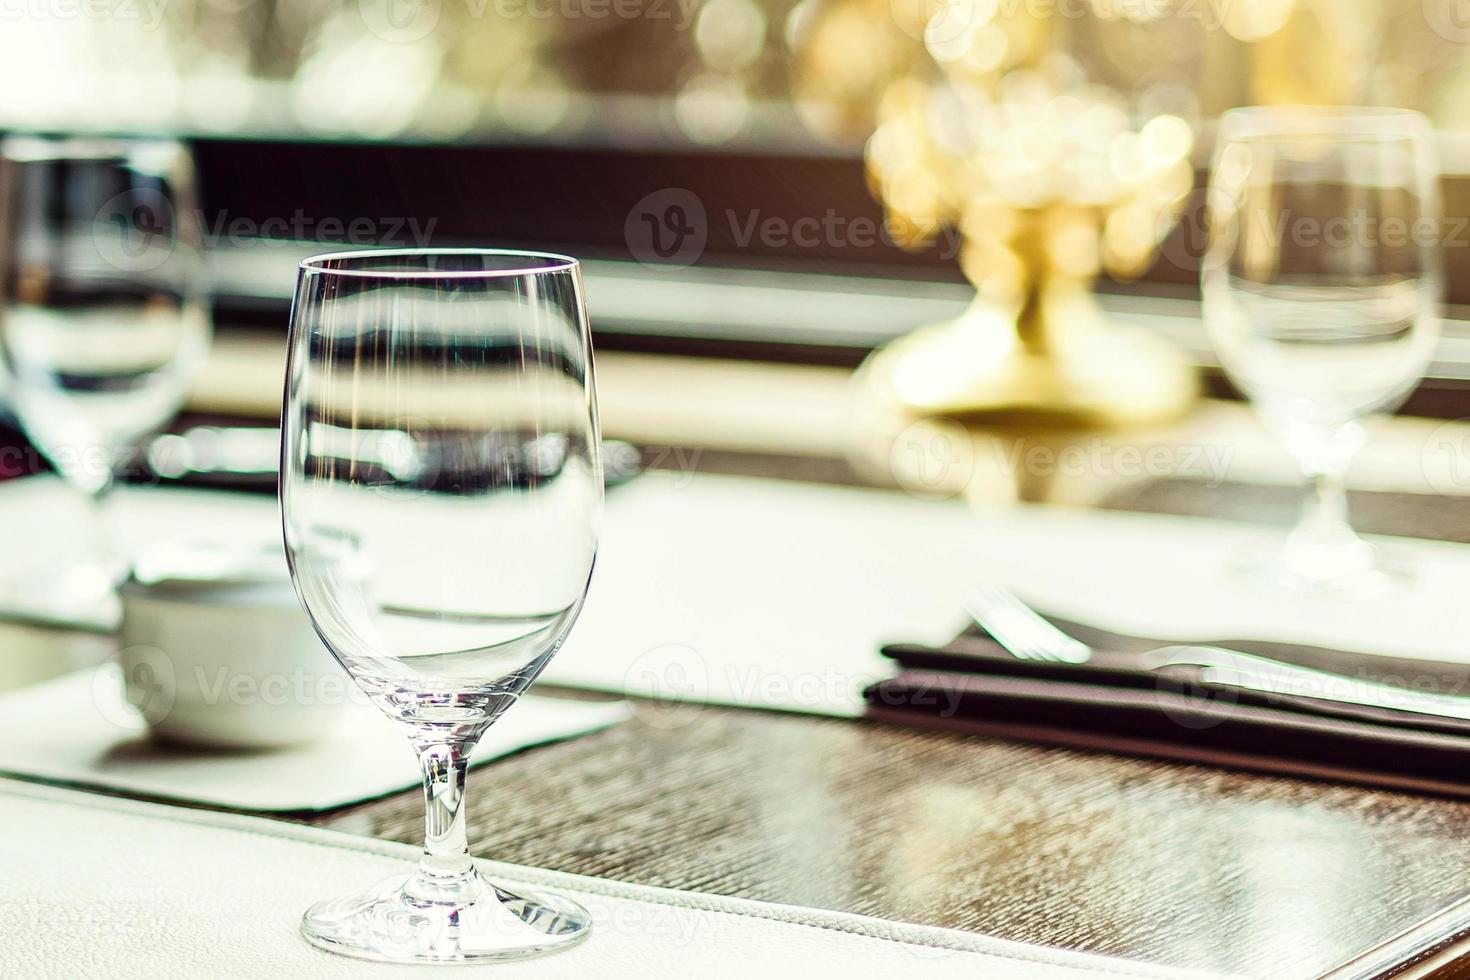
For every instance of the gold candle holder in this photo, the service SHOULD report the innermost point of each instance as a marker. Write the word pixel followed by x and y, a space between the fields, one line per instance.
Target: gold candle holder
pixel 985 125
pixel 1051 359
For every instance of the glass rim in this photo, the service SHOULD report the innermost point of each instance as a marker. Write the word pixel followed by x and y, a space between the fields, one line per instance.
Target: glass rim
pixel 1340 122
pixel 534 263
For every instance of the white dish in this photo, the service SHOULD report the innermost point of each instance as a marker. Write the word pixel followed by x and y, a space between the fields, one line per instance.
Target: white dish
pixel 216 650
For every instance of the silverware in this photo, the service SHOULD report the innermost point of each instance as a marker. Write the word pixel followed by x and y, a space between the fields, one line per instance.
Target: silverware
pixel 1018 628
pixel 1026 635
pixel 1231 668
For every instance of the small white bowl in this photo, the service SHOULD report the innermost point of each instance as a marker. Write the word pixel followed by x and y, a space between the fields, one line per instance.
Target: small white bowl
pixel 216 651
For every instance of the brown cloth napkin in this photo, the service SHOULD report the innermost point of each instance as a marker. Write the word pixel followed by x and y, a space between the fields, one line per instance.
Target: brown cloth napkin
pixel 1116 703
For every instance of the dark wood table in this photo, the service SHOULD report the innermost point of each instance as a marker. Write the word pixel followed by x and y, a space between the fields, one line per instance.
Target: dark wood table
pixel 1175 864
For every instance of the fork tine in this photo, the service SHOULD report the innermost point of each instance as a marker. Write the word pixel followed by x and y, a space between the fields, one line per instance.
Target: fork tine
pixel 989 609
pixel 1020 629
pixel 1002 615
pixel 1044 632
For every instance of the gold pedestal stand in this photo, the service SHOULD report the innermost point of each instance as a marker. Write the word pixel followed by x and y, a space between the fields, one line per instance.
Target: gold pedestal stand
pixel 993 403
pixel 1068 369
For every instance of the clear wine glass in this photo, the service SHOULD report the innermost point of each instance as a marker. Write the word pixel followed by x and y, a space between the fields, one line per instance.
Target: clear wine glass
pixel 441 492
pixel 1321 290
pixel 104 323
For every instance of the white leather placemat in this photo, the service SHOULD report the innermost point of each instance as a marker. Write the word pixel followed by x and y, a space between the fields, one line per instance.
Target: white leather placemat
pixel 778 594
pixel 78 730
pixel 47 528
pixel 92 886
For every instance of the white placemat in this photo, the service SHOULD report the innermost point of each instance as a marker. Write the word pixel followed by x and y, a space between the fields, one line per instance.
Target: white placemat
pixel 78 730
pixel 47 529
pixel 91 886
pixel 778 594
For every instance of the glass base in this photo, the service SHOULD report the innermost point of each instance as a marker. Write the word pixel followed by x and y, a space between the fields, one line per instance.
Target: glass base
pixel 1368 574
pixel 412 919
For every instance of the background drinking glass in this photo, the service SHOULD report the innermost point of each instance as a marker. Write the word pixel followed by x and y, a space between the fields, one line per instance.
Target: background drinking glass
pixel 1321 291
pixel 441 490
pixel 104 323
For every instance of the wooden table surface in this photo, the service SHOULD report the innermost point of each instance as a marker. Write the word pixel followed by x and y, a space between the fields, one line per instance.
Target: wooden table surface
pixel 1175 864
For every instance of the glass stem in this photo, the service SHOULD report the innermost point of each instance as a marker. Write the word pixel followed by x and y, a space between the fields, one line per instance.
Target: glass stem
pixel 446 864
pixel 1325 509
pixel 101 541
pixel 1323 544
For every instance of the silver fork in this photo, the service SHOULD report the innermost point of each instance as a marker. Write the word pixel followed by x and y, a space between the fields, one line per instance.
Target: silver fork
pixel 1018 628
pixel 1027 636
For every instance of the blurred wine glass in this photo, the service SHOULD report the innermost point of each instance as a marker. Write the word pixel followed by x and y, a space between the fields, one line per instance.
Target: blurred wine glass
pixel 1321 290
pixel 441 492
pixel 104 322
